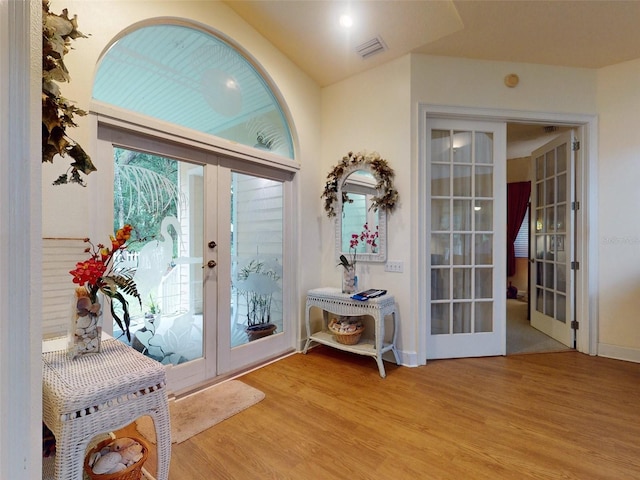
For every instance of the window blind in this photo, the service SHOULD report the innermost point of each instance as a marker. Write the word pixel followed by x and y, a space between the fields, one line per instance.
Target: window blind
pixel 521 244
pixel 59 256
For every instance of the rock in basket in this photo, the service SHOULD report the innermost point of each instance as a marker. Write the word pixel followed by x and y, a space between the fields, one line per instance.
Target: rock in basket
pixel 350 337
pixel 133 472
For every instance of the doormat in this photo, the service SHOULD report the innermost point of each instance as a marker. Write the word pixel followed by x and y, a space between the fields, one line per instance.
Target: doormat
pixel 199 411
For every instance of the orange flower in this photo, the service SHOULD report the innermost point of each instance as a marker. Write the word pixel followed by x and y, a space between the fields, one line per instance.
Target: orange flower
pixel 88 271
pixel 99 274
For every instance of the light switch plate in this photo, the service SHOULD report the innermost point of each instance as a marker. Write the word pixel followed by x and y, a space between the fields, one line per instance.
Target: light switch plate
pixel 396 267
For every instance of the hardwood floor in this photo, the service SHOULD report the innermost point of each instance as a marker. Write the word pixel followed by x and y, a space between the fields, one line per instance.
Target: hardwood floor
pixel 328 415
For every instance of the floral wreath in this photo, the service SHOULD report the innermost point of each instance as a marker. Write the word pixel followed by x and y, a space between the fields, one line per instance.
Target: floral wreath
pixel 388 198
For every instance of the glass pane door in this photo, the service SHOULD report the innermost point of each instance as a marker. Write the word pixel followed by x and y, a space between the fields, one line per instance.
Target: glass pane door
pixel 256 271
pixel 552 242
pixel 211 265
pixel 256 250
pixel 162 198
pixel 466 244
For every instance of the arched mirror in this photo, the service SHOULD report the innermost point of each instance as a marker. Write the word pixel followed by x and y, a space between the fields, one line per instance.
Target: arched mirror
pixel 360 193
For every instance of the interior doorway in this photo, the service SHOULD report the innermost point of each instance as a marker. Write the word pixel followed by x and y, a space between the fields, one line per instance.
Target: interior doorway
pixel 586 232
pixel 522 337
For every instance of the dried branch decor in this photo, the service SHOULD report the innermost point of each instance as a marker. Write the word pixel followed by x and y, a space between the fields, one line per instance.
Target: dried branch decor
pixel 387 197
pixel 57 111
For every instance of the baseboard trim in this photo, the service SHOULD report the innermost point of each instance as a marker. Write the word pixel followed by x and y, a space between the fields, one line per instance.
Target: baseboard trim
pixel 619 353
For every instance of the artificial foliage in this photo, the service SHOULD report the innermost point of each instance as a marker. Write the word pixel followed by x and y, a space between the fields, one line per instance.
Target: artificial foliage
pixel 101 273
pixel 57 111
pixel 387 197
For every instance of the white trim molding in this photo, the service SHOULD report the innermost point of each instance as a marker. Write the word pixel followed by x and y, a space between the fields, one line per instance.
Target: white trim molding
pixel 20 223
pixel 619 353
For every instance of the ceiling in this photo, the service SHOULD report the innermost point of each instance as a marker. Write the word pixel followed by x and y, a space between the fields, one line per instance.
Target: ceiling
pixel 578 33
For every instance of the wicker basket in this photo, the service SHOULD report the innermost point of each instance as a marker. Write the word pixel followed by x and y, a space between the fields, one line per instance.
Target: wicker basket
pixel 134 472
pixel 346 338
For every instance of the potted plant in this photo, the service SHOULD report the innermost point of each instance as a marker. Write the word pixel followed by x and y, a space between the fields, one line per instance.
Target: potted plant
pixel 349 278
pixel 257 283
pixel 153 312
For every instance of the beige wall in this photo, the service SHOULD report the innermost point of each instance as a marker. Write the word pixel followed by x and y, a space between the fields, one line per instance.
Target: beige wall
pixel 367 111
pixel 519 169
pixel 618 200
pixel 372 111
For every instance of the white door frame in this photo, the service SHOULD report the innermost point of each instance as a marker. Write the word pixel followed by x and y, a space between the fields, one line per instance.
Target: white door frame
pixel 586 127
pixel 201 148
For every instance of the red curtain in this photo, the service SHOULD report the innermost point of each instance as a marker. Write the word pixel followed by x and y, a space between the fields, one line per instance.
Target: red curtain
pixel 517 201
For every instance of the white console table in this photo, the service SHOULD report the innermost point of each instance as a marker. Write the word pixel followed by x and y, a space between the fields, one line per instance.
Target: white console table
pixel 332 300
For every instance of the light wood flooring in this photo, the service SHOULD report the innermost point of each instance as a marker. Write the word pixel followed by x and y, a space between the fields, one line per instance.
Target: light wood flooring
pixel 328 415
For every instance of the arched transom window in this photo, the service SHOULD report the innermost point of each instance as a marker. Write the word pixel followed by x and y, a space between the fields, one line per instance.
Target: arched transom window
pixel 191 78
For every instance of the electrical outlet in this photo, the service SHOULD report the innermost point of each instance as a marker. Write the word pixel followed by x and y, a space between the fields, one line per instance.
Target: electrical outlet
pixel 393 267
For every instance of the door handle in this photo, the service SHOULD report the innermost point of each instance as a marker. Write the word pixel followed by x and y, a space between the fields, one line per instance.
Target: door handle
pixel 211 263
pixel 212 244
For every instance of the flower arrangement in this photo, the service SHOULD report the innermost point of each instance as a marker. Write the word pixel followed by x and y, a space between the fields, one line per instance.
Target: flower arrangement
pixel 368 236
pixel 353 246
pixel 388 195
pixel 99 273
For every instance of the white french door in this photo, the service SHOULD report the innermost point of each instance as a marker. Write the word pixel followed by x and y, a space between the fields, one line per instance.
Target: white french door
pixel 552 239
pixel 251 205
pixel 214 216
pixel 466 209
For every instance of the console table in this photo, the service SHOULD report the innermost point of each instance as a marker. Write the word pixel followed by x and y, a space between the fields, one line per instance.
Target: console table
pixel 332 300
pixel 95 394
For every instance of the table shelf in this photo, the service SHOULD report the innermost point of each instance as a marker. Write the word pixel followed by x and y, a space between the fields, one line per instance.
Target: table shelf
pixel 333 301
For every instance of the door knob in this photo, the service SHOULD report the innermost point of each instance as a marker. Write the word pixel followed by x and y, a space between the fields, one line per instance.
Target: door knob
pixel 211 263
pixel 212 244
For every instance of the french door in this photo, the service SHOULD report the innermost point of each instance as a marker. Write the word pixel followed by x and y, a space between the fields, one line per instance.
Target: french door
pixel 205 220
pixel 552 239
pixel 466 281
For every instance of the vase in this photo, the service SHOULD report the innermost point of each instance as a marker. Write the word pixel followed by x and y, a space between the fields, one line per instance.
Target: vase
pixel 85 337
pixel 349 279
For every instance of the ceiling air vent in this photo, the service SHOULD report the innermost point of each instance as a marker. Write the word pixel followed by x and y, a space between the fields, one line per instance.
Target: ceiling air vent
pixel 371 47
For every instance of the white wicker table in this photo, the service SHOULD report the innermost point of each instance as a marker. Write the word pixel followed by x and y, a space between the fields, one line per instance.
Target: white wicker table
pixel 332 300
pixel 95 394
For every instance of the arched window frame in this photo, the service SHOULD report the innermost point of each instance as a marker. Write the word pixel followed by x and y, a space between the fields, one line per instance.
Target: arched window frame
pixel 116 116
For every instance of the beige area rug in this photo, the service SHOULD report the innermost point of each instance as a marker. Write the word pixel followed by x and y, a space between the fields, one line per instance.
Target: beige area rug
pixel 199 411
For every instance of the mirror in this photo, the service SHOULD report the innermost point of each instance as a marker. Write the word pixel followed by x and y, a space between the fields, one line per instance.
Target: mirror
pixel 360 193
pixel 360 218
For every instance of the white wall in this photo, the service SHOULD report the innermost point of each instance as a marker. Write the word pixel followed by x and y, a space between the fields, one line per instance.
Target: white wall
pixel 619 200
pixel 371 111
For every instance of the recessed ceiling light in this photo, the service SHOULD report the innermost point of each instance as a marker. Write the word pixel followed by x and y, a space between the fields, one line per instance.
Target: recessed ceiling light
pixel 345 20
